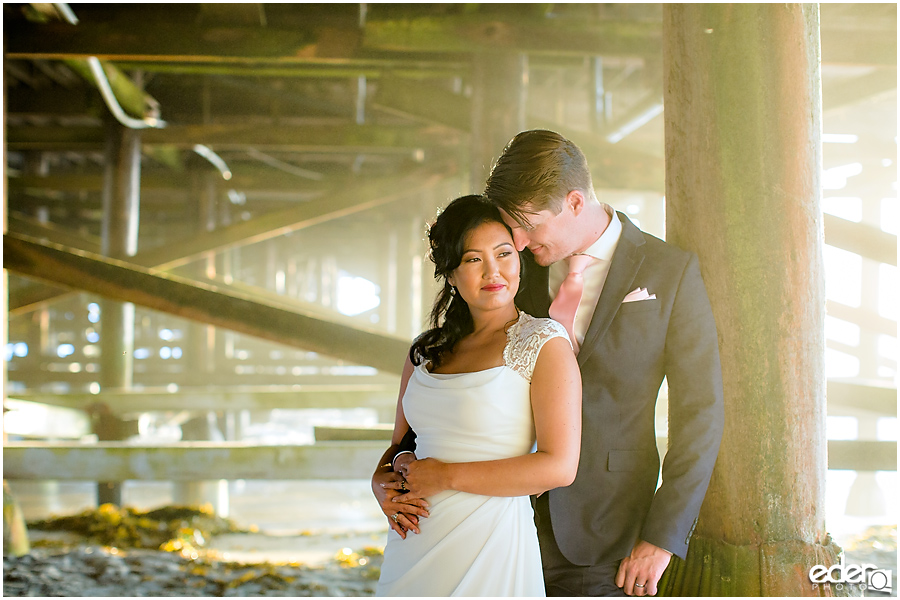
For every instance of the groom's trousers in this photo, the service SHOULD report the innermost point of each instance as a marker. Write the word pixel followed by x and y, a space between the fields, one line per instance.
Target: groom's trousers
pixel 561 577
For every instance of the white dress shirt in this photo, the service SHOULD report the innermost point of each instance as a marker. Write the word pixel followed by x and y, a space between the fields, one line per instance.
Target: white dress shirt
pixel 595 274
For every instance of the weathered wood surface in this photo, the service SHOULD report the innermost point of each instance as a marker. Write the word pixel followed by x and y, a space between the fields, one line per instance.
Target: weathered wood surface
pixel 339 204
pixel 339 453
pixel 381 432
pixel 368 139
pixel 862 455
pixel 743 165
pixel 402 39
pixel 190 461
pixel 447 35
pixel 126 282
pixel 878 399
pixel 130 97
pixel 378 392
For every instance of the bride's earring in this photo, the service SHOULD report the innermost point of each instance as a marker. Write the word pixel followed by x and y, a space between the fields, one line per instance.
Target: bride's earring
pixel 452 291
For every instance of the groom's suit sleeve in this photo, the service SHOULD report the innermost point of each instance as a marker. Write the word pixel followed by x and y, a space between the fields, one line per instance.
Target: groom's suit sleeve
pixel 696 415
pixel 408 442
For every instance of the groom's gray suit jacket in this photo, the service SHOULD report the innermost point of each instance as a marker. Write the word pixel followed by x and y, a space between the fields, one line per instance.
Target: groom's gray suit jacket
pixel 627 351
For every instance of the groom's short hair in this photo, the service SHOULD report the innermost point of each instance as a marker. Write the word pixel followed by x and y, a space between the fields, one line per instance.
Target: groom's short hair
pixel 537 170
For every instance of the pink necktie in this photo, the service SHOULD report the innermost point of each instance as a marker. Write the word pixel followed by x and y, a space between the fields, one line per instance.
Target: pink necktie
pixel 563 307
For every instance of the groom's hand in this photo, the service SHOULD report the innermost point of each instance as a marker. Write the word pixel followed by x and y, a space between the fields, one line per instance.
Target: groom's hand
pixel 386 486
pixel 644 566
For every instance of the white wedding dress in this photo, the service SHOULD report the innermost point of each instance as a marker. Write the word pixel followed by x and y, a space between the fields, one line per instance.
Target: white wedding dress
pixel 473 545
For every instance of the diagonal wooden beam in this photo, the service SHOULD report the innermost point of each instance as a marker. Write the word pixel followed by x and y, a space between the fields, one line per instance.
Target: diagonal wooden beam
pixel 129 96
pixel 21 223
pixel 347 201
pixel 168 293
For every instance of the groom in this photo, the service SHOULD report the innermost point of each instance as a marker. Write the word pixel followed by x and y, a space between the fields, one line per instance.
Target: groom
pixel 643 315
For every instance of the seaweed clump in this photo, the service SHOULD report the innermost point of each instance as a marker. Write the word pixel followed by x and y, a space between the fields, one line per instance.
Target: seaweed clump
pixel 183 529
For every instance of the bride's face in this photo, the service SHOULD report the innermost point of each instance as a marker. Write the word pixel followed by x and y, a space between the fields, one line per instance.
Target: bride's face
pixel 488 276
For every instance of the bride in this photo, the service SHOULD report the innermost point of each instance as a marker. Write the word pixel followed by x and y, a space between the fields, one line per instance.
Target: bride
pixel 494 398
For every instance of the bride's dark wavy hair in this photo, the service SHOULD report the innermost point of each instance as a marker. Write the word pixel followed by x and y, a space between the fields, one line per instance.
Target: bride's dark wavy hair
pixel 450 317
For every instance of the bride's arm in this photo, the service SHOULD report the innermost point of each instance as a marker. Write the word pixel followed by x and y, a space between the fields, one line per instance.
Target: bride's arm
pixel 384 477
pixel 556 403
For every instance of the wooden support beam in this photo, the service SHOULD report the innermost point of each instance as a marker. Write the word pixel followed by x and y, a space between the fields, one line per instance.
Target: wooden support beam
pixel 863 41
pixel 179 42
pixel 348 434
pixel 527 34
pixel 347 201
pixel 380 394
pixel 868 320
pixel 187 42
pixel 862 239
pixel 20 223
pixel 246 177
pixel 351 138
pixel 349 392
pixel 856 455
pixel 848 394
pixel 30 295
pixel 131 98
pixel 744 80
pixel 175 295
pixel 315 69
pixel 189 461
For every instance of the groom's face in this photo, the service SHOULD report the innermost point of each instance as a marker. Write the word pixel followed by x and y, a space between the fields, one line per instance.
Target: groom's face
pixel 548 235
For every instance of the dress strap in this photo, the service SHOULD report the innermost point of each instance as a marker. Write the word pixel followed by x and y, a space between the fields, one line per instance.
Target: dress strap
pixel 525 339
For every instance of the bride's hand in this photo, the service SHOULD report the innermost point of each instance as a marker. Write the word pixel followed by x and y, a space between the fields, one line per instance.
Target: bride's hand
pixel 424 477
pixel 387 487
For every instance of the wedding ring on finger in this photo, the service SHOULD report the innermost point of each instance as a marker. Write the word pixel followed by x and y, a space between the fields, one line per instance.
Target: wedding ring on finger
pixel 639 585
pixel 403 486
pixel 395 517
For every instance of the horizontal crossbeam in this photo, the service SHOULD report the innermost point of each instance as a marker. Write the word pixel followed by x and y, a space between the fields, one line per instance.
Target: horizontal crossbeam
pixel 193 461
pixel 847 394
pixel 190 461
pixel 855 455
pixel 363 139
pixel 341 394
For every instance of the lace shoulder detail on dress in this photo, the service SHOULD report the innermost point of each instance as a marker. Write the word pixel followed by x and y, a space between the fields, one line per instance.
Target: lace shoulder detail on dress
pixel 525 340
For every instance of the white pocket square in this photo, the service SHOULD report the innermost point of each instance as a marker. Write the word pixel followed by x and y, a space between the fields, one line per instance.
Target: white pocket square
pixel 638 294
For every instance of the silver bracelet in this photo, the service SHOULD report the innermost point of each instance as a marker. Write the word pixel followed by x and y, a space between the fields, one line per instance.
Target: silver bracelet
pixel 398 454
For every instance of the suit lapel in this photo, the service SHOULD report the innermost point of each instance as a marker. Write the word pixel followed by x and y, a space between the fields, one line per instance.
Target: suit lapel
pixel 624 267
